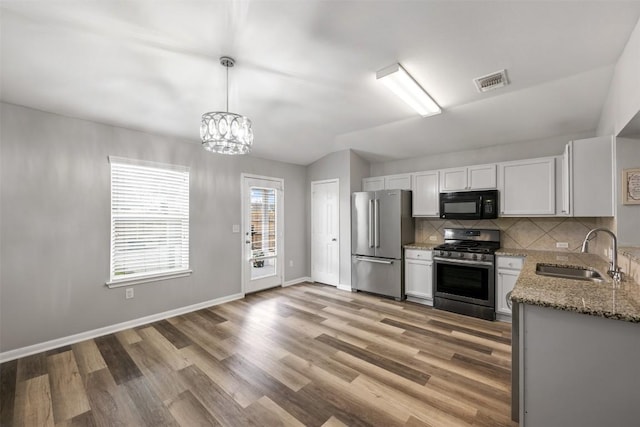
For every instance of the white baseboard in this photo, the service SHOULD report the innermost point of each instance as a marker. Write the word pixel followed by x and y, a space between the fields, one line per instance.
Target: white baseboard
pixel 296 281
pixel 82 336
pixel 344 287
pixel 503 317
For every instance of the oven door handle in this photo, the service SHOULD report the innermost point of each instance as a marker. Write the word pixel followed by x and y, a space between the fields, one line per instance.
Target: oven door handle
pixel 463 261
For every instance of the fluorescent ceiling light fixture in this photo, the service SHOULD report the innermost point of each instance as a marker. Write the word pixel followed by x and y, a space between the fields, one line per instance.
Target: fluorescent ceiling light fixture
pixel 402 84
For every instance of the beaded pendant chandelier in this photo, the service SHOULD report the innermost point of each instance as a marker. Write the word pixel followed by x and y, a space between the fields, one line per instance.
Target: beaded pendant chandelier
pixel 225 132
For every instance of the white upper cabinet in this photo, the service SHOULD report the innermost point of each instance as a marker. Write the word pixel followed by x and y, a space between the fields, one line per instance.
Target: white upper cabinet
pixel 453 179
pixel 482 177
pixel 577 183
pixel 565 182
pixel 373 184
pixel 389 182
pixel 591 183
pixel 527 187
pixel 476 177
pixel 426 194
pixel 397 182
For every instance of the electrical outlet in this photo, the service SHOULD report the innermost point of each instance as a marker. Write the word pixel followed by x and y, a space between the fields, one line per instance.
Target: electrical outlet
pixel 433 238
pixel 290 263
pixel 562 245
pixel 235 228
pixel 128 293
pixel 562 258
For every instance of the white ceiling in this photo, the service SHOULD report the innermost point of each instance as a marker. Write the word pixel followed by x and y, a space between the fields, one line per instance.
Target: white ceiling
pixel 305 69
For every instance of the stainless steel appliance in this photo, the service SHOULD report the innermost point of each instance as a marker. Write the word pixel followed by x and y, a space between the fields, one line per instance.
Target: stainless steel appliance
pixel 464 272
pixel 381 224
pixel 469 205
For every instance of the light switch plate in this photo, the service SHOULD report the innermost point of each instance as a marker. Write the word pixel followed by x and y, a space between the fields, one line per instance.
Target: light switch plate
pixel 433 238
pixel 562 245
pixel 235 228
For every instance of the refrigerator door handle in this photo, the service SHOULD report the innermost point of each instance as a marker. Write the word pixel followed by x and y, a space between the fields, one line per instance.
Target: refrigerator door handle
pixel 376 260
pixel 376 230
pixel 371 221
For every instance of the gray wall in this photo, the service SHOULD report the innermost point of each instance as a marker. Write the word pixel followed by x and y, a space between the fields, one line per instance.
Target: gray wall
pixel 359 168
pixel 627 216
pixel 497 153
pixel 623 98
pixel 55 225
pixel 335 165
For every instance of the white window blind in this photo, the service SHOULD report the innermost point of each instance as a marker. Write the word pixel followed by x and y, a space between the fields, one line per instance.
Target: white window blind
pixel 263 222
pixel 149 220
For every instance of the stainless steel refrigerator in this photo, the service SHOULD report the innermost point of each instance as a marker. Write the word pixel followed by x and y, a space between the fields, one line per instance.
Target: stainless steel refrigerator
pixel 381 224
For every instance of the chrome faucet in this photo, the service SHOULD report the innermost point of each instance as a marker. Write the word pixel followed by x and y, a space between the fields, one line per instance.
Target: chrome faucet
pixel 614 270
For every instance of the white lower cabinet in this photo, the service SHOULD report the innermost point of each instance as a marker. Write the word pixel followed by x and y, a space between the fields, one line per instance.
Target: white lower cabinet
pixel 508 270
pixel 418 275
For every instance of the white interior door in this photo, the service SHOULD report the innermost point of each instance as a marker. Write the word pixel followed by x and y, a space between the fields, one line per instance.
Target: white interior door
pixel 325 230
pixel 262 207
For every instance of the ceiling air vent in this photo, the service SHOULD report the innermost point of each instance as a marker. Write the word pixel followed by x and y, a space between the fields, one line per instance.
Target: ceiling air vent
pixel 491 81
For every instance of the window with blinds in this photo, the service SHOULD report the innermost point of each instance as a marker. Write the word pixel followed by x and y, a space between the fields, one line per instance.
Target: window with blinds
pixel 263 222
pixel 149 221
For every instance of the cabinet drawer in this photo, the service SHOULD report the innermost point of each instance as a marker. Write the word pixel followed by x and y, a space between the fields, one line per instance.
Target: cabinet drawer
pixel 514 263
pixel 418 254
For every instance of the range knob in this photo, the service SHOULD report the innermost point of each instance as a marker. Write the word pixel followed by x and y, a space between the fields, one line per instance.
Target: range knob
pixel 475 256
pixel 460 255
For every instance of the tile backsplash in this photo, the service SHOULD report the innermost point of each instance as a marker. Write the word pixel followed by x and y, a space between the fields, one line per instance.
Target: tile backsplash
pixel 526 233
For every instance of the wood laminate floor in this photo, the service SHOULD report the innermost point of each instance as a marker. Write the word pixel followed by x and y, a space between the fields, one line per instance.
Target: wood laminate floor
pixel 303 355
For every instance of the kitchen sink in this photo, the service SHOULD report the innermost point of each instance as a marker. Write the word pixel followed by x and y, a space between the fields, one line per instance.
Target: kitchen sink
pixel 568 272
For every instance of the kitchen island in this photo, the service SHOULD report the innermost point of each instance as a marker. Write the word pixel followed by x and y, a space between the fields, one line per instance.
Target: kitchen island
pixel 576 345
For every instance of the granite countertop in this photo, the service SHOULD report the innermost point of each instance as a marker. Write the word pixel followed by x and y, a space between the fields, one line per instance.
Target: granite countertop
pixel 417 245
pixel 631 252
pixel 606 299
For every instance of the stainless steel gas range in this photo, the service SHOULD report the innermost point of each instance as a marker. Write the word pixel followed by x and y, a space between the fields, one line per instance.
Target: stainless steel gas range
pixel 464 272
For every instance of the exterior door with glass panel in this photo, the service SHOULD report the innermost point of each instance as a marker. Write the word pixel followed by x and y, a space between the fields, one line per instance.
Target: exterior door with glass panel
pixel 262 233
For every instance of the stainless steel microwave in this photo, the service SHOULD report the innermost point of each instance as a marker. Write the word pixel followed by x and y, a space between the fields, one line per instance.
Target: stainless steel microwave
pixel 469 205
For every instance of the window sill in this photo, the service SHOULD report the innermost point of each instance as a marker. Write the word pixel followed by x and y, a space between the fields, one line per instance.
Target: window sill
pixel 146 279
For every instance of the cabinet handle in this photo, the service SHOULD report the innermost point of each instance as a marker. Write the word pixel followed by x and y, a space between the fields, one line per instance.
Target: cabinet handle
pixel 508 298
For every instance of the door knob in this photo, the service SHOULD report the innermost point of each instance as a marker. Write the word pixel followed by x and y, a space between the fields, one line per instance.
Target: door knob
pixel 334 240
